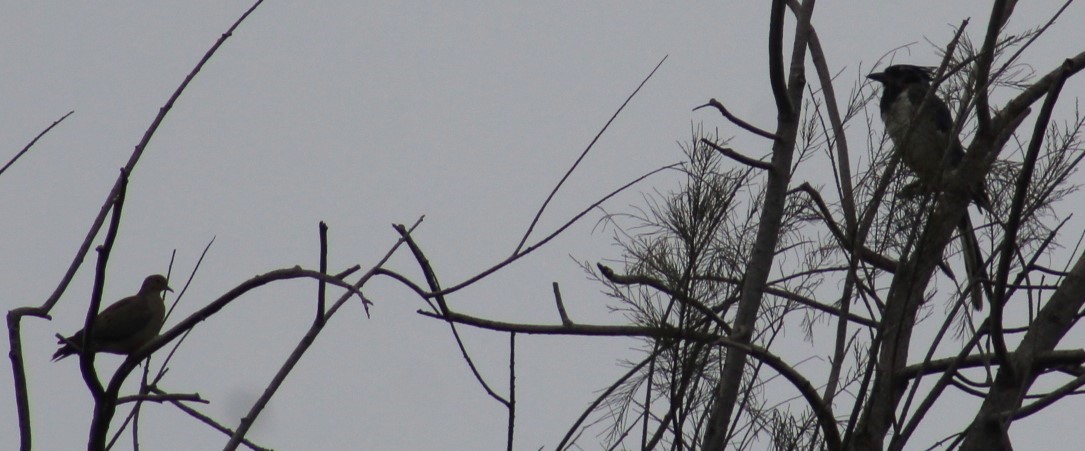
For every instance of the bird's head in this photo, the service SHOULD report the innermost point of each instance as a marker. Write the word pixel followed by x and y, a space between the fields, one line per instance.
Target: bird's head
pixel 155 284
pixel 902 75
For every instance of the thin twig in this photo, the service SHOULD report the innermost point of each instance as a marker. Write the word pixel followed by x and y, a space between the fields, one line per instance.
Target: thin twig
pixel 208 421
pixel 658 285
pixel 304 343
pixel 442 304
pixel 561 306
pixel 565 441
pixel 583 154
pixel 529 249
pixel 738 121
pixel 31 144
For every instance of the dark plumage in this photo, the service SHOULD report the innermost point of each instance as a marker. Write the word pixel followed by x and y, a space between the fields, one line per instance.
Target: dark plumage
pixel 922 138
pixel 125 326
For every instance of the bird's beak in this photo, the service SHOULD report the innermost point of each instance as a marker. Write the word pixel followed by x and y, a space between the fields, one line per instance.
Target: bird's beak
pixel 168 288
pixel 877 76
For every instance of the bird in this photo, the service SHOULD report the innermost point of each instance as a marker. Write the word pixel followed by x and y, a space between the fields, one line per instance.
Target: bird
pixel 125 326
pixel 921 138
pixel 924 137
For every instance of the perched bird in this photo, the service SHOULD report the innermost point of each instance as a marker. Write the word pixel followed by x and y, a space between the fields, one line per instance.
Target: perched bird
pixel 921 138
pixel 928 145
pixel 125 326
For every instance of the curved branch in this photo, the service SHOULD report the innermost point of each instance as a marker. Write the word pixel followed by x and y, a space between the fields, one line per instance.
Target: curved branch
pixel 776 60
pixel 823 412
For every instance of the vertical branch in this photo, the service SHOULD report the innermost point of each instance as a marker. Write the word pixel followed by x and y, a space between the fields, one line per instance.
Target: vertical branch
pixel 840 139
pixel 1000 13
pixel 762 255
pixel 18 370
pixel 321 285
pixel 104 404
pixel 512 388
pixel 776 59
pixel 565 321
pixel 847 196
pixel 648 386
pixel 1009 245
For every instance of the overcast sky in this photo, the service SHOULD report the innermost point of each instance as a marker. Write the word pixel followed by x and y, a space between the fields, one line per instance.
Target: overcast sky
pixel 365 114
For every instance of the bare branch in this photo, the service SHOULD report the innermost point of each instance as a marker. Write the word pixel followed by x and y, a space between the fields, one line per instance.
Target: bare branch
pixel 824 412
pixel 1013 224
pixel 561 306
pixel 583 154
pixel 163 398
pixel 736 120
pixel 732 154
pixel 31 143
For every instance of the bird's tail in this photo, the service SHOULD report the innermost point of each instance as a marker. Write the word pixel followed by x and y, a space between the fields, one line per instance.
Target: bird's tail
pixel 973 262
pixel 66 346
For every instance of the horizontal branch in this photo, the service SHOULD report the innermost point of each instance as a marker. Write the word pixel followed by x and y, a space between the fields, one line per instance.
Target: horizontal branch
pixel 572 329
pixel 823 411
pixel 165 397
pixel 1042 361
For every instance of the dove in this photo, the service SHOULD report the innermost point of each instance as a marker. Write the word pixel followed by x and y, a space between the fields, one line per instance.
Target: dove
pixel 125 326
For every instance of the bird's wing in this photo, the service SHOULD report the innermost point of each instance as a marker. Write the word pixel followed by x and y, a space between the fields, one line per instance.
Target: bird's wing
pixel 122 319
pixel 943 120
pixel 938 111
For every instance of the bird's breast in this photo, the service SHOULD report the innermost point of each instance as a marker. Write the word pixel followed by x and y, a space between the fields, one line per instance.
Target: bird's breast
pixel 921 144
pixel 897 117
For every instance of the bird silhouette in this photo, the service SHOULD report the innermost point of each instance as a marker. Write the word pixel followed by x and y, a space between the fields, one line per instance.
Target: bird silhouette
pixel 924 137
pixel 125 326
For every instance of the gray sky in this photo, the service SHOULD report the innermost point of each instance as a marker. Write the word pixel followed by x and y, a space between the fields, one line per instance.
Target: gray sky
pixel 364 115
